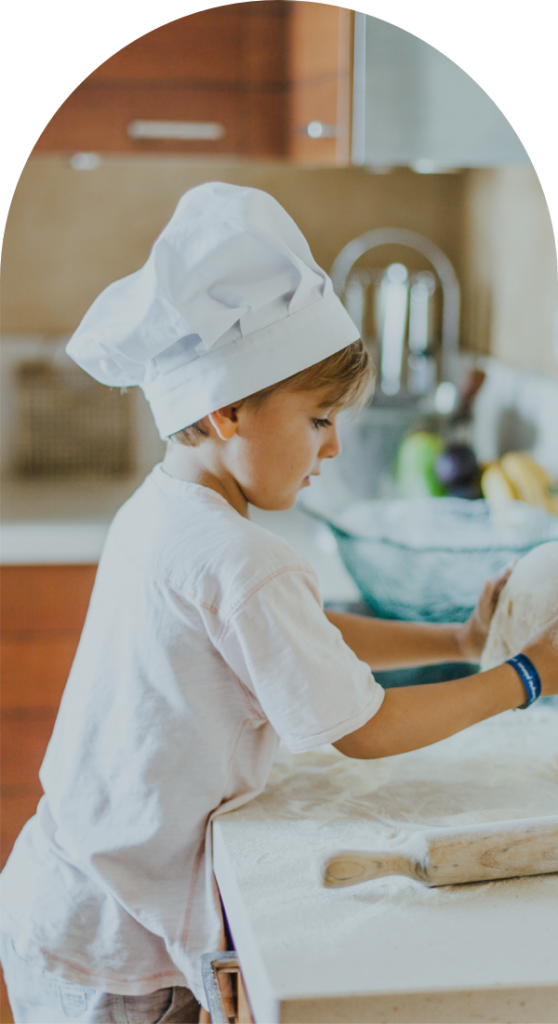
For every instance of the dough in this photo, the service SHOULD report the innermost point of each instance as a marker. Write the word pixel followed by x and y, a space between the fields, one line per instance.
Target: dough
pixel 528 601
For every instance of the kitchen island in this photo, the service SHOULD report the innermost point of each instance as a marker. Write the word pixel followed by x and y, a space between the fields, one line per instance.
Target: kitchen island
pixel 391 949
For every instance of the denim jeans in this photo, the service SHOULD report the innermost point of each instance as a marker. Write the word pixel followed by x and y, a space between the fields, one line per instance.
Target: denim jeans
pixel 37 997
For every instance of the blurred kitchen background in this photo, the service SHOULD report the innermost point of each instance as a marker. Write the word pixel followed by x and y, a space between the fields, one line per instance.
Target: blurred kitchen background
pixel 354 126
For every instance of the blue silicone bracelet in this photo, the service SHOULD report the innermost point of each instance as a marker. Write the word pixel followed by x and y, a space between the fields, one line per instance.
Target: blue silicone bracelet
pixel 529 677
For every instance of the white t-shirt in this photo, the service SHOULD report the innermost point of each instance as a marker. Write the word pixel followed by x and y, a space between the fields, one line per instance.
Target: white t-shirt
pixel 204 642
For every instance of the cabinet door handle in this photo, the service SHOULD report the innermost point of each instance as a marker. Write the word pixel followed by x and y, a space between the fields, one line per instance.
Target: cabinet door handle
pixel 319 130
pixel 187 131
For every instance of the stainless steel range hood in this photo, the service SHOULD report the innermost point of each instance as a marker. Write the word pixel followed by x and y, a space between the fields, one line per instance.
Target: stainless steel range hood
pixel 414 107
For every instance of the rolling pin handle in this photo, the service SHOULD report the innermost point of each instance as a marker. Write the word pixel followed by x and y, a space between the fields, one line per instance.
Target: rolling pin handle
pixel 348 867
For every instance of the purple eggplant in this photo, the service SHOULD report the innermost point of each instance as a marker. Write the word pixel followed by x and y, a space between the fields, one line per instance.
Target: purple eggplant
pixel 456 466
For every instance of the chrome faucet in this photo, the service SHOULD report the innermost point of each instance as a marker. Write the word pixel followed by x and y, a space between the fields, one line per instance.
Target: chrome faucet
pixel 399 292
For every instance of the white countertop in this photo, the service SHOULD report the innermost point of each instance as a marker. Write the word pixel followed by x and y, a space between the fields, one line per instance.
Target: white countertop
pixel 66 523
pixel 392 949
pixel 53 542
pixel 58 521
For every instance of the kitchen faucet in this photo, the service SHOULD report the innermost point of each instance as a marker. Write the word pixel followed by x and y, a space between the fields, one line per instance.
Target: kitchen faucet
pixel 349 287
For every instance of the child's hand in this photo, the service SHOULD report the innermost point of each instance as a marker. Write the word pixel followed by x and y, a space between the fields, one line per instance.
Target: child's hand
pixel 542 649
pixel 472 635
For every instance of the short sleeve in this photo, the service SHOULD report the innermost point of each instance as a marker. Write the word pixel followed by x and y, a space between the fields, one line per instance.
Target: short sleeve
pixel 309 683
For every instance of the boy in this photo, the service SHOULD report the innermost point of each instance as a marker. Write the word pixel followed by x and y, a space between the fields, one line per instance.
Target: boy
pixel 205 640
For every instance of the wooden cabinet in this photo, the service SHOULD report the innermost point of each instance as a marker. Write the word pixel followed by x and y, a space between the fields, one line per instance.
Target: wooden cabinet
pixel 225 66
pixel 320 73
pixel 259 73
pixel 43 611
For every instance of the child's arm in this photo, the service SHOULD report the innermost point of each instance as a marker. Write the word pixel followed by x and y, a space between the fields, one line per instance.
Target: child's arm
pixel 384 644
pixel 387 644
pixel 415 716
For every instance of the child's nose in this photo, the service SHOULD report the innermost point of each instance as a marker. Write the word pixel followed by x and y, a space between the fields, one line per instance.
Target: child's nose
pixel 332 445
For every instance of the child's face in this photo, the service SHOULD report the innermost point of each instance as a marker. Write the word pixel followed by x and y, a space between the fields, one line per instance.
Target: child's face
pixel 279 445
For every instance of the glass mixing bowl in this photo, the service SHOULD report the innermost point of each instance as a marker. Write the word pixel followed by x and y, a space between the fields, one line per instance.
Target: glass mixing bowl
pixel 427 559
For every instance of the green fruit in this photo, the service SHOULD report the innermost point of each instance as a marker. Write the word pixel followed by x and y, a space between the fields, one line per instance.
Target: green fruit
pixel 414 473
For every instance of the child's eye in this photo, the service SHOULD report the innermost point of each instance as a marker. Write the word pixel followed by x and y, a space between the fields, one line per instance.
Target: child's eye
pixel 321 423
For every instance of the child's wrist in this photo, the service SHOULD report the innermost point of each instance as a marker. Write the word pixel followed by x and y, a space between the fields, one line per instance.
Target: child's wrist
pixel 529 677
pixel 546 668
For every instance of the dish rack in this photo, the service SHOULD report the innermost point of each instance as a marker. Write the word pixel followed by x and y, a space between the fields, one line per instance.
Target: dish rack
pixel 68 424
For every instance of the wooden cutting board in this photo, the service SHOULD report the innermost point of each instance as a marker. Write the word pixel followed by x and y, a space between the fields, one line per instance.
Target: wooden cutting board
pixel 452 856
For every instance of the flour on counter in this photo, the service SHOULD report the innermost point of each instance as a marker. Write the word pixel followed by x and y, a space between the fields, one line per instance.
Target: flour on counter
pixel 318 802
pixel 501 769
pixel 393 942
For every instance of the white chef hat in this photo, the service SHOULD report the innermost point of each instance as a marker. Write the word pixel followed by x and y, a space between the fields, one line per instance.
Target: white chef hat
pixel 229 302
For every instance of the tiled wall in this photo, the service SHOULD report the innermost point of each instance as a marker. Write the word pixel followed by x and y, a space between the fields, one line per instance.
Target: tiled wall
pixel 70 233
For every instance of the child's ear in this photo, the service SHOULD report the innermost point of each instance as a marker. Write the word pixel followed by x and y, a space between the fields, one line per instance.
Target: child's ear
pixel 225 421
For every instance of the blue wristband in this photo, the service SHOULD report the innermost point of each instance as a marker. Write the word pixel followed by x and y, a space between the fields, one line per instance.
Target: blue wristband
pixel 529 677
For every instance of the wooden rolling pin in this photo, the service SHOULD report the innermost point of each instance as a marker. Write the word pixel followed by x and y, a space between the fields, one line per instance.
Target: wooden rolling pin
pixel 450 856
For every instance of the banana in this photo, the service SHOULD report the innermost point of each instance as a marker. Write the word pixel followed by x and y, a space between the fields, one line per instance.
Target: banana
pixel 531 482
pixel 496 486
pixel 518 477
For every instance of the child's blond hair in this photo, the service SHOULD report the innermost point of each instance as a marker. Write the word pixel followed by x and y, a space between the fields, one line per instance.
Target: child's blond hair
pixel 347 379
